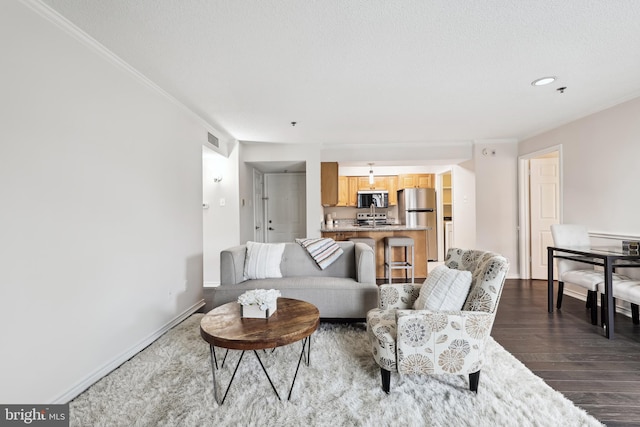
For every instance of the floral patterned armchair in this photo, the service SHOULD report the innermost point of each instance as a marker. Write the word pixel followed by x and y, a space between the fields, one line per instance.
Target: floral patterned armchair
pixel 438 342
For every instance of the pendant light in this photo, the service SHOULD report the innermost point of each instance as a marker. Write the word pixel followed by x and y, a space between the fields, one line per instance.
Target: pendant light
pixel 371 173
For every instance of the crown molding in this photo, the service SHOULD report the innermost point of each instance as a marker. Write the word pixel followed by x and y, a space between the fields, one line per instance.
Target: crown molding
pixel 51 15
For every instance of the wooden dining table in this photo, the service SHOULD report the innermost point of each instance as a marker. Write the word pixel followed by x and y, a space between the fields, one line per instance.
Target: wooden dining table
pixel 607 257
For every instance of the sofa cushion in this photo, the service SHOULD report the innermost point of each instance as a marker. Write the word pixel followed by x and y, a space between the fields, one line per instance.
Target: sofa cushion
pixel 335 297
pixel 263 260
pixel 296 262
pixel 444 289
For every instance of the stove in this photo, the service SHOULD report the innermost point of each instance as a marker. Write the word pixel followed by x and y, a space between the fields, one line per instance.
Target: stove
pixel 366 218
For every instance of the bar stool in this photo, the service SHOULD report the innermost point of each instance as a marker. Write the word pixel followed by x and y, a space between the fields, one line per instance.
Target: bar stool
pixel 406 264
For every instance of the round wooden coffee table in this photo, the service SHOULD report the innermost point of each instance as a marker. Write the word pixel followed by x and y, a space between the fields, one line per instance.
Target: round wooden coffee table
pixel 294 320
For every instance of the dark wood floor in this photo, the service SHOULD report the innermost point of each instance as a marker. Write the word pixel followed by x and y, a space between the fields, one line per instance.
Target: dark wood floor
pixel 601 376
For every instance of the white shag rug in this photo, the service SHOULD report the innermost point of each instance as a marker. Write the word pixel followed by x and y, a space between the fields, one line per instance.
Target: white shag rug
pixel 170 384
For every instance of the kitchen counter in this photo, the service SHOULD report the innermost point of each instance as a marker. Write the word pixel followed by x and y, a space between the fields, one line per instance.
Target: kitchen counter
pixel 378 234
pixel 368 228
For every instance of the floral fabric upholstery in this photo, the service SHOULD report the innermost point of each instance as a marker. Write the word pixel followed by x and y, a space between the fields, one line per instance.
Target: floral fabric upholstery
pixel 438 342
pixel 398 296
pixel 488 271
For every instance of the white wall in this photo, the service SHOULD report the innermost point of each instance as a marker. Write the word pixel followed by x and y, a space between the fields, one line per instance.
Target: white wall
pixel 221 226
pixel 101 217
pixel 496 172
pixel 463 182
pixel 600 158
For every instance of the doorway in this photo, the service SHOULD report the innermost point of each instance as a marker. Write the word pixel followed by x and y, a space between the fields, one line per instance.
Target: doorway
pixel 285 207
pixel 540 184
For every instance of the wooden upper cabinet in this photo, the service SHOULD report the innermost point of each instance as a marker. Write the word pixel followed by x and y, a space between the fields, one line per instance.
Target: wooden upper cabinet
pixel 343 191
pixel 425 181
pixel 406 181
pixel 392 186
pixel 415 181
pixel 329 183
pixel 353 191
pixel 379 183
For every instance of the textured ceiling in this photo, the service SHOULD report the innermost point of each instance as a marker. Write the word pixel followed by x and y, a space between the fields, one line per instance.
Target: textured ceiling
pixel 373 71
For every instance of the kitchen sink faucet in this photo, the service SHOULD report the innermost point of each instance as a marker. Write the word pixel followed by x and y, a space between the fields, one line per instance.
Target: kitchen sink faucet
pixel 372 211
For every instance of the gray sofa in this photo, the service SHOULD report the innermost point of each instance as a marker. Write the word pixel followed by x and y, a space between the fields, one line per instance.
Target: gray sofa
pixel 344 290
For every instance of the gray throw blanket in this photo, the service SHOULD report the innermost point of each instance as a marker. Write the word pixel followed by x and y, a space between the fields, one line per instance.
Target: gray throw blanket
pixel 324 251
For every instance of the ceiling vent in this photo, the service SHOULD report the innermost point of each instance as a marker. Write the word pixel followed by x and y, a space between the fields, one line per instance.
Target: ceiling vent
pixel 213 140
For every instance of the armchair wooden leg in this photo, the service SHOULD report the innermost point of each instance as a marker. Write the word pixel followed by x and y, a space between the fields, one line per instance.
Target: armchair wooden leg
pixel 474 379
pixel 635 314
pixel 386 379
pixel 560 293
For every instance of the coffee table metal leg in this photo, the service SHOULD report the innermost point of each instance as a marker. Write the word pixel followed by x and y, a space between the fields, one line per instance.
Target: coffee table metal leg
pixel 267 374
pixel 213 356
pixel 224 359
pixel 213 373
pixel 305 353
pixel 214 367
pixel 306 345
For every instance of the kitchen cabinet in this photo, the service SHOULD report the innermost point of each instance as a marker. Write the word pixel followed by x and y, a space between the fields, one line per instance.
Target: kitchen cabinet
pixel 415 181
pixel 353 191
pixel 348 191
pixel 347 187
pixel 329 183
pixel 447 201
pixel 343 191
pixel 392 186
pixel 379 183
pixel 340 236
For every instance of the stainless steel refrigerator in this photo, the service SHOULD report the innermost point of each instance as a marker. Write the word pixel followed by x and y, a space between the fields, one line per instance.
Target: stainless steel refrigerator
pixel 417 208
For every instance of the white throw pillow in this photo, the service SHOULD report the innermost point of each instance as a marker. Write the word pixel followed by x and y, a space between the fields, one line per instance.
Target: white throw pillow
pixel 263 260
pixel 445 289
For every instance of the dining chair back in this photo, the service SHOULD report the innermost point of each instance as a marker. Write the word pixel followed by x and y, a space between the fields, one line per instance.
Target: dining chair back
pixel 570 235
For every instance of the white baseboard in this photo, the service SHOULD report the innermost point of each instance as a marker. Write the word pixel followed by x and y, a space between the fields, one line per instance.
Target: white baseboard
pixel 211 284
pixel 124 356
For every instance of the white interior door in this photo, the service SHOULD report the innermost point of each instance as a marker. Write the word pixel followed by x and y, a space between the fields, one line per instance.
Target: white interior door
pixel 258 206
pixel 544 196
pixel 286 206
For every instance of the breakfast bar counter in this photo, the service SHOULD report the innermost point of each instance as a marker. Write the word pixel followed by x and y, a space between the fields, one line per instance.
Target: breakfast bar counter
pixel 378 234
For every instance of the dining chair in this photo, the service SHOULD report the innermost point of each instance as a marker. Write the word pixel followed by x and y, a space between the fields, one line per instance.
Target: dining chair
pixel 579 273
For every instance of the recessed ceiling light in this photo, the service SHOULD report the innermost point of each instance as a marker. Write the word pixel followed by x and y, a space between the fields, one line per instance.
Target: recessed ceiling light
pixel 543 81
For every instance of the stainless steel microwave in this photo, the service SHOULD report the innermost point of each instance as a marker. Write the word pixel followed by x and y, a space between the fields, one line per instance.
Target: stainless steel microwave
pixel 378 198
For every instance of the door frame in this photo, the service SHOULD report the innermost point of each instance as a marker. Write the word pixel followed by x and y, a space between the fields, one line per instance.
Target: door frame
pixel 524 215
pixel 259 215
